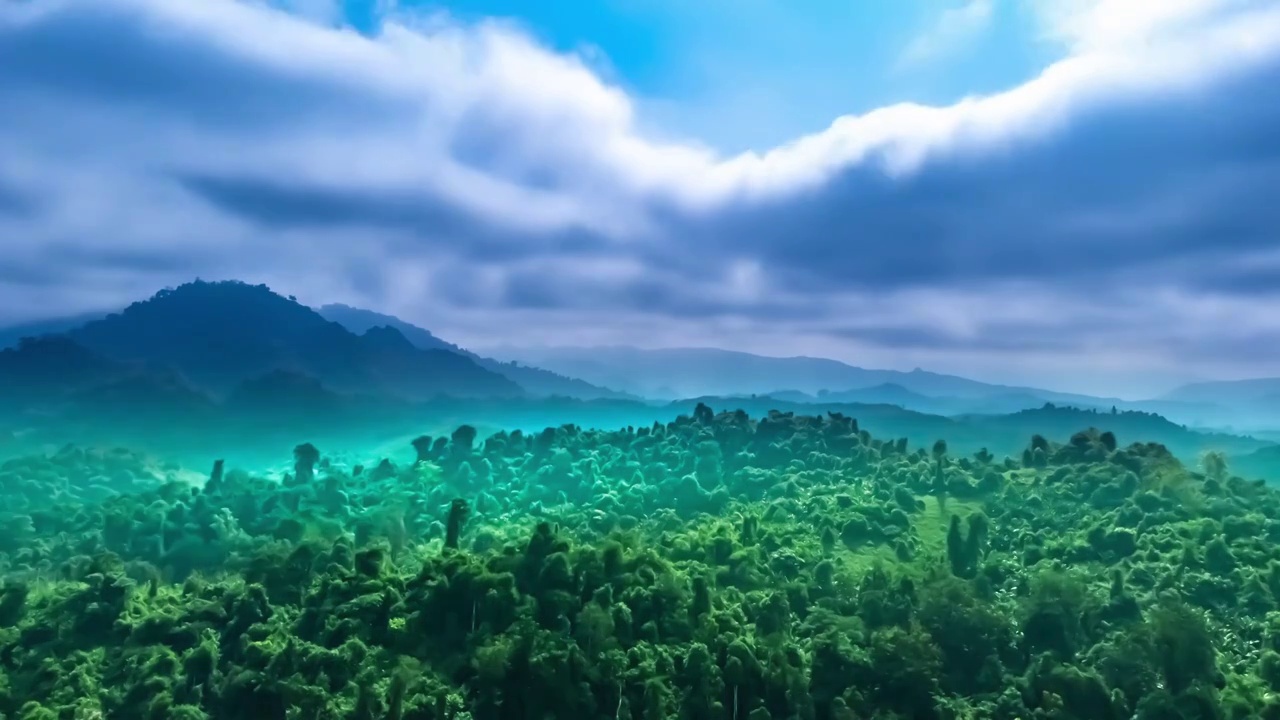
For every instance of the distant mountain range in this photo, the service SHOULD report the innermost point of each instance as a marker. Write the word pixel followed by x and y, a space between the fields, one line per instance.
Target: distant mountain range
pixel 895 394
pixel 234 365
pixel 1259 393
pixel 691 372
pixel 243 344
pixel 534 380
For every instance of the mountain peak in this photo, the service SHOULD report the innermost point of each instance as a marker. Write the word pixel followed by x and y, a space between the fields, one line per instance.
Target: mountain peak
pixel 387 337
pixel 361 321
pixel 218 334
pixel 247 306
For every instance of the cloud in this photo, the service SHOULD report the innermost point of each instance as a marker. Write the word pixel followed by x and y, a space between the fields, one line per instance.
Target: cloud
pixel 324 12
pixel 470 179
pixel 953 28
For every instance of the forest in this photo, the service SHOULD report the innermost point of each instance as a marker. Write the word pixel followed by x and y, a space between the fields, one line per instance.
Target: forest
pixel 716 566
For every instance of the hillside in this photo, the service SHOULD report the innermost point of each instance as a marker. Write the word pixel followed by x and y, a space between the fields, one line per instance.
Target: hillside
pixel 1263 463
pixel 534 380
pixel 238 360
pixel 217 335
pixel 12 334
pixel 895 394
pixel 1242 407
pixel 1058 422
pixel 360 321
pixel 708 566
pixel 48 368
pixel 1003 434
pixel 1257 390
pixel 883 394
pixel 695 372
pixel 288 404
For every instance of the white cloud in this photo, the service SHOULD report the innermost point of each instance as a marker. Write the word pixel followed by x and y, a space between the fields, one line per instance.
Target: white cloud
pixel 557 118
pixel 1126 25
pixel 953 28
pixel 540 155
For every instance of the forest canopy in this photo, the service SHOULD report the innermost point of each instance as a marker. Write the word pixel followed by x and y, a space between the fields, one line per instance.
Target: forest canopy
pixel 714 566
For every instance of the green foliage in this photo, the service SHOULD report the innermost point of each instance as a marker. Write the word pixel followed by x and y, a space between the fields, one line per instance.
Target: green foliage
pixel 716 566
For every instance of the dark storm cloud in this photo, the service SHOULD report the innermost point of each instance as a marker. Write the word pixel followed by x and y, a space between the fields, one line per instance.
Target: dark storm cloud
pixel 423 219
pixel 111 52
pixel 1118 191
pixel 659 292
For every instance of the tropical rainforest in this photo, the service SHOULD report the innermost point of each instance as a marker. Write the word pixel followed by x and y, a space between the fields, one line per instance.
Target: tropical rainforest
pixel 719 565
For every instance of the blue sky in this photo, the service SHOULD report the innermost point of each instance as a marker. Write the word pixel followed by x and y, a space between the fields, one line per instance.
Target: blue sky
pixel 1077 194
pixel 751 74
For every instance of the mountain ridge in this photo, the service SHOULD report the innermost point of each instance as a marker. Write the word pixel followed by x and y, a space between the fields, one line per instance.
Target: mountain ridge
pixel 1265 390
pixel 824 373
pixel 604 371
pixel 219 334
pixel 536 380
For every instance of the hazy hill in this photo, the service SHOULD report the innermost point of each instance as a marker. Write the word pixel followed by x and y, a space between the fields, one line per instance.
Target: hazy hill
pixel 1251 404
pixel 692 372
pixel 1056 423
pixel 1262 463
pixel 306 347
pixel 895 394
pixel 218 335
pixel 1004 434
pixel 143 397
pixel 885 393
pixel 263 413
pixel 360 321
pixel 51 367
pixel 282 391
pixel 535 380
pixel 1263 392
pixel 11 335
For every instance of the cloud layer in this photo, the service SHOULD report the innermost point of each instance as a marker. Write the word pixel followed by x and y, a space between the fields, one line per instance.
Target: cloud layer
pixel 1114 215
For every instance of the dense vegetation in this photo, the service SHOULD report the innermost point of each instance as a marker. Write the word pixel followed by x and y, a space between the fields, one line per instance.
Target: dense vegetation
pixel 717 566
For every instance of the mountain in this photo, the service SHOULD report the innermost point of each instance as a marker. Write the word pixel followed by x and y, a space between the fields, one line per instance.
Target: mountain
pixel 360 321
pixel 1251 404
pixel 1259 391
pixel 692 372
pixel 161 413
pixel 1003 434
pixel 50 368
pixel 895 394
pixel 883 394
pixel 535 380
pixel 1262 463
pixel 145 397
pixel 1242 407
pixel 219 334
pixel 215 336
pixel 1058 423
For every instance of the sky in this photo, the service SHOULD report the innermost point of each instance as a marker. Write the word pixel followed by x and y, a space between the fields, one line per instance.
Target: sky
pixel 1074 194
